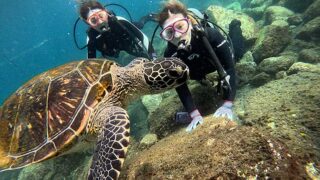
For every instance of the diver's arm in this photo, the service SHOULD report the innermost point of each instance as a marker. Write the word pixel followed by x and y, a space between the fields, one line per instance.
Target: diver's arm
pixel 185 95
pixel 170 50
pixel 186 98
pixel 187 101
pixel 225 56
pixel 91 49
pixel 183 90
pixel 224 53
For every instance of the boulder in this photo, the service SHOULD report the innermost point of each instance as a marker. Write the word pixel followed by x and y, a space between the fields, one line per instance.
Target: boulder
pixel 256 8
pixel 296 45
pixel 70 166
pixel 313 10
pixel 310 31
pixel 162 121
pixel 224 16
pixel 298 6
pixel 271 42
pixel 274 13
pixel 256 13
pixel 138 115
pixel 295 19
pixel 234 6
pixel 217 149
pixel 273 65
pixel 148 140
pixel 151 102
pixel 246 68
pixel 281 74
pixel 259 3
pixel 310 55
pixel 260 79
pixel 303 67
pixel 292 104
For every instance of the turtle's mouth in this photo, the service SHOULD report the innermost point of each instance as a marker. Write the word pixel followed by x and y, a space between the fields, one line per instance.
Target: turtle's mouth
pixel 184 77
pixel 177 72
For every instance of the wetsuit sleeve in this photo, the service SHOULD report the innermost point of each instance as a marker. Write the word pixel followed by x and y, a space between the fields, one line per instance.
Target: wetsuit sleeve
pixel 183 90
pixel 225 55
pixel 186 97
pixel 91 49
pixel 170 50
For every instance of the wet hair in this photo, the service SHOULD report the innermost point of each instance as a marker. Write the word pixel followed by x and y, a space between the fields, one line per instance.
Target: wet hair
pixel 86 6
pixel 175 7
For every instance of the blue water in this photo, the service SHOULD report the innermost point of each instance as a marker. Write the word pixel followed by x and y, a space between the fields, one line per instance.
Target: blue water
pixel 37 35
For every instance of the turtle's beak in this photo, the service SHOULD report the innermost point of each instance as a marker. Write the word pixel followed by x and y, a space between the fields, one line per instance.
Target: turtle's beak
pixel 175 72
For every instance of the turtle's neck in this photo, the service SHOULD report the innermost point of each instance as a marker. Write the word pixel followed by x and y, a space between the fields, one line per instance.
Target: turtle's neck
pixel 126 87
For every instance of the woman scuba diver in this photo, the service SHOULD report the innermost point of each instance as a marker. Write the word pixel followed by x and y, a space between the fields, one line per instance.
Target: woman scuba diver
pixel 111 34
pixel 204 50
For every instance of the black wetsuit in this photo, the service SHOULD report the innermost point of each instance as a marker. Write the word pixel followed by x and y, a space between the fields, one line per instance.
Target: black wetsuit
pixel 199 65
pixel 122 37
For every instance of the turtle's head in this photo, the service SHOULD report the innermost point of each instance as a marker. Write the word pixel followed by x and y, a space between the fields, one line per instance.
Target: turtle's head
pixel 166 73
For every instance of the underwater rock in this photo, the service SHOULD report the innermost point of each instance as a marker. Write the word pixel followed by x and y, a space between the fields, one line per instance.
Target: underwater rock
pixel 260 79
pixel 246 68
pixel 224 17
pixel 256 13
pixel 310 55
pixel 234 6
pixel 71 166
pixel 272 65
pixel 272 41
pixel 138 115
pixel 292 103
pixel 215 150
pixel 148 140
pixel 281 74
pixel 296 45
pixel 296 5
pixel 151 102
pixel 295 19
pixel 310 31
pixel 274 13
pixel 256 8
pixel 312 11
pixel 162 121
pixel 303 67
pixel 259 3
pixel 281 23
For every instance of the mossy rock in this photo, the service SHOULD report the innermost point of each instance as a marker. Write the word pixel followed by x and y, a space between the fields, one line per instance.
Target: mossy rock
pixel 271 42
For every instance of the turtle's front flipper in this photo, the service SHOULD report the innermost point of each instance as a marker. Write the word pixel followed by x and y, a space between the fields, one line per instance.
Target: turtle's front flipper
pixel 112 144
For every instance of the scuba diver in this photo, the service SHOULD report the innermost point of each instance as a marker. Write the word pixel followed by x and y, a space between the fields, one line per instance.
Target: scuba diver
pixel 111 34
pixel 204 50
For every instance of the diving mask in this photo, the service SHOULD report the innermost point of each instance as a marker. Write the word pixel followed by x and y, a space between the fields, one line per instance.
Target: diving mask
pixel 170 31
pixel 98 19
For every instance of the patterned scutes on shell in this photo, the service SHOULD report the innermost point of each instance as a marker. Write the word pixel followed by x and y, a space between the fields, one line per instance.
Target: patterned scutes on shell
pixel 48 112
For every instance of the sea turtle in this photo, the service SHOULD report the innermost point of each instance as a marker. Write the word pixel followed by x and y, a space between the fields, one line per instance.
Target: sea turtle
pixel 59 109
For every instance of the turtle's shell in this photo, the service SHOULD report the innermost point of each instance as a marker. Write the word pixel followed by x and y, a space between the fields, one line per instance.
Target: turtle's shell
pixel 46 114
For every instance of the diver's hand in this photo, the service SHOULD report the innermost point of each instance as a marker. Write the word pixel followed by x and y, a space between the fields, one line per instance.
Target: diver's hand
pixel 196 120
pixel 225 111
